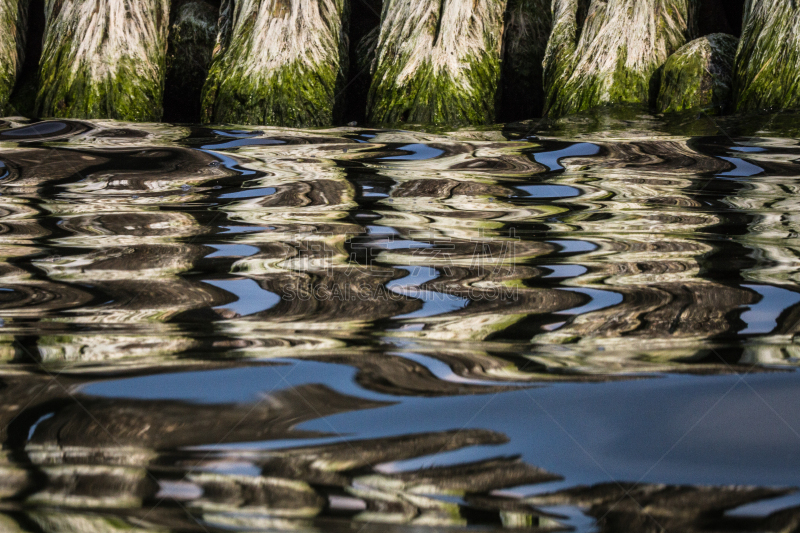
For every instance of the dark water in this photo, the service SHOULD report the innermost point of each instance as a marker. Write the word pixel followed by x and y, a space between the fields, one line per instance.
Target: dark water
pixel 368 330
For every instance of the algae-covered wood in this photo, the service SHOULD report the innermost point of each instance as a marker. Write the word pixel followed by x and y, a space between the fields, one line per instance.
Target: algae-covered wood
pixel 103 59
pixel 527 29
pixel 699 75
pixel 437 61
pixel 767 71
pixel 608 51
pixel 12 44
pixel 278 62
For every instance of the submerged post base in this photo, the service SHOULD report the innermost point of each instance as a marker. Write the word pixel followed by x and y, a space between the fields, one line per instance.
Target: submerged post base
pixel 699 75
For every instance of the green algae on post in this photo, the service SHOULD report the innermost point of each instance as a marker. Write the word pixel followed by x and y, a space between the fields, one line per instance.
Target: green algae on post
pixel 527 29
pixel 278 62
pixel 437 62
pixel 699 75
pixel 768 60
pixel 103 59
pixel 12 44
pixel 609 52
pixel 192 37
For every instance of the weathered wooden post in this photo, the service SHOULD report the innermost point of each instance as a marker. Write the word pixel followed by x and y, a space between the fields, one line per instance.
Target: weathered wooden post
pixel 437 61
pixel 607 51
pixel 278 62
pixel 767 71
pixel 103 59
pixel 12 44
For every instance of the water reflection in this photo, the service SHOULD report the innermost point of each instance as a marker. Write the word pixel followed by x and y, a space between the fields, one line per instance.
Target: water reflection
pixel 205 329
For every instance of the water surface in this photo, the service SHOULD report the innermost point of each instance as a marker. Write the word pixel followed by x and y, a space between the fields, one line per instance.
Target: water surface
pixel 577 327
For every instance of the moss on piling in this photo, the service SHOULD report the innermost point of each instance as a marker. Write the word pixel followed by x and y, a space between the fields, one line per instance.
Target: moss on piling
pixel 103 59
pixel 437 62
pixel 278 62
pixel 699 75
pixel 610 51
pixel 767 69
pixel 13 15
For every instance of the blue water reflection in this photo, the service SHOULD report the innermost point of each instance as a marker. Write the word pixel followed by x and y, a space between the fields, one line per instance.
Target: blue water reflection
pixel 670 429
pixel 334 330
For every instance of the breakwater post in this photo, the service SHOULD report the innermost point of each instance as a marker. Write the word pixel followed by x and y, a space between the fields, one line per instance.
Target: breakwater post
pixel 437 62
pixel 608 51
pixel 767 71
pixel 278 62
pixel 299 63
pixel 103 59
pixel 13 15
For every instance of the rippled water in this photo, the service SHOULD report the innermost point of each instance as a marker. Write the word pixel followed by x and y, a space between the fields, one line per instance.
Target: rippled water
pixel 583 326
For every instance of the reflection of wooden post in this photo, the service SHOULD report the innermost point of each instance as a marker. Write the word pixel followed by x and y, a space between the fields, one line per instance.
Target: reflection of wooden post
pixel 632 507
pixel 765 75
pixel 609 52
pixel 103 59
pixel 437 62
pixel 278 62
pixel 12 44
